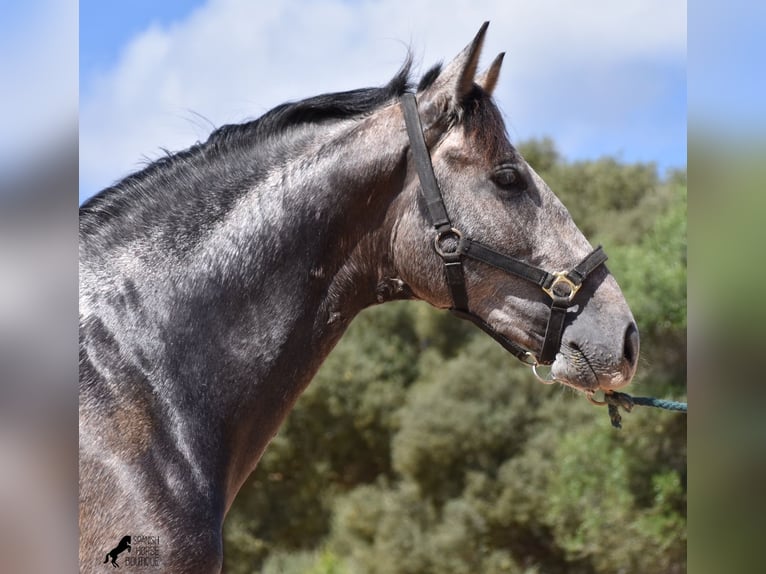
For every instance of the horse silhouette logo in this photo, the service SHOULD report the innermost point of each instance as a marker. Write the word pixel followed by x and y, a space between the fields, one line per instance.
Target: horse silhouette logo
pixel 117 550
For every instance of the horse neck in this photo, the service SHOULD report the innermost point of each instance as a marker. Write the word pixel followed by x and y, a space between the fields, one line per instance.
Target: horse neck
pixel 278 280
pixel 315 231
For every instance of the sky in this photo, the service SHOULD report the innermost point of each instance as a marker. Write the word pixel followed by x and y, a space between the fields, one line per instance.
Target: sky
pixel 599 77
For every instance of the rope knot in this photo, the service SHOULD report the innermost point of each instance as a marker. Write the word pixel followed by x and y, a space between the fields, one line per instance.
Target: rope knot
pixel 614 400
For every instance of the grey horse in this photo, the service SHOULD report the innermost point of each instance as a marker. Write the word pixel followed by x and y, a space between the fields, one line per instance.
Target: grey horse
pixel 214 282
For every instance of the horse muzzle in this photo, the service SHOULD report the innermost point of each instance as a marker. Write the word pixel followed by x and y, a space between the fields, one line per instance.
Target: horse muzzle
pixel 588 364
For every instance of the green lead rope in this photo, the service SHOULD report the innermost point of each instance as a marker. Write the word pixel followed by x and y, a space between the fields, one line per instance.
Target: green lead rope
pixel 614 400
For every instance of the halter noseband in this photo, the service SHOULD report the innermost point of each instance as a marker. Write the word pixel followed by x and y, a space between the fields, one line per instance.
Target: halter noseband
pixel 561 287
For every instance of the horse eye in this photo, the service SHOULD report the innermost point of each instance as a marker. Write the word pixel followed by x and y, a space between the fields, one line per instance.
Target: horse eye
pixel 509 178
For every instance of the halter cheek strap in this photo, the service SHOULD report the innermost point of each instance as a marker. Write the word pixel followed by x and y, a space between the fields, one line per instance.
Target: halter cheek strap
pixel 453 247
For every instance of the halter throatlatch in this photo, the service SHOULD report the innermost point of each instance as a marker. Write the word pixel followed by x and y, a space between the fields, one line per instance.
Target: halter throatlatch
pixel 453 247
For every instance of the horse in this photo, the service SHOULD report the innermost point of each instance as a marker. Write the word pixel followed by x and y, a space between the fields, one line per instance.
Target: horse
pixel 214 282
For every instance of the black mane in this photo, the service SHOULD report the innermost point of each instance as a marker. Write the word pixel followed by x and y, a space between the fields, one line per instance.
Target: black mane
pixel 316 109
pixel 230 149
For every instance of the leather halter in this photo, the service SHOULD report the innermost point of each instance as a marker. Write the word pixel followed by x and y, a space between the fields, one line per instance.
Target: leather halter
pixel 453 247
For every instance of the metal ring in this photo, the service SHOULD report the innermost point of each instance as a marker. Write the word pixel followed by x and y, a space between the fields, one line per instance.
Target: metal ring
pixel 541 379
pixel 532 359
pixel 440 236
pixel 595 401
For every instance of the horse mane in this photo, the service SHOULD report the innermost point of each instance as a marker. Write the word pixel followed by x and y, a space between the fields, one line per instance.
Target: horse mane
pixel 324 107
pixel 174 168
pixel 314 110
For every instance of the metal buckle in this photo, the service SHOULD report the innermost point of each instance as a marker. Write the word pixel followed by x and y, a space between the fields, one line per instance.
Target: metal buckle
pixel 443 235
pixel 562 279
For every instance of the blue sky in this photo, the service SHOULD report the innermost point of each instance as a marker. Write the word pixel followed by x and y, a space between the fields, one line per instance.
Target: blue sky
pixel 105 28
pixel 599 77
pixel 727 84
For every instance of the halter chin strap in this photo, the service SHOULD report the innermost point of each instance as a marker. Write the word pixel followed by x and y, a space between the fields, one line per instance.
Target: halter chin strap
pixel 453 247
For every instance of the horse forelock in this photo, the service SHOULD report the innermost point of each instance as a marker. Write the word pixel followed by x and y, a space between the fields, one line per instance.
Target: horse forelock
pixel 483 123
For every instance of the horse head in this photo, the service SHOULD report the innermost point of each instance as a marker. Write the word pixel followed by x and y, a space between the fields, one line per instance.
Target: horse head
pixel 495 201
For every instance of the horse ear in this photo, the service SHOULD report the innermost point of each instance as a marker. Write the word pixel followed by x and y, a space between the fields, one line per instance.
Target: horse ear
pixel 488 80
pixel 461 71
pixel 455 82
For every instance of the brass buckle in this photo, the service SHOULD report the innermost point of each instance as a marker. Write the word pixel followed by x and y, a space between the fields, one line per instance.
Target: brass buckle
pixel 562 279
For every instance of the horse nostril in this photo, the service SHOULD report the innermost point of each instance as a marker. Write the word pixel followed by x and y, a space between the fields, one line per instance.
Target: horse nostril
pixel 630 351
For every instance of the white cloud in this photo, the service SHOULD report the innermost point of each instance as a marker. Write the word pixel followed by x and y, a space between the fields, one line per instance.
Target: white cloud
pixel 231 60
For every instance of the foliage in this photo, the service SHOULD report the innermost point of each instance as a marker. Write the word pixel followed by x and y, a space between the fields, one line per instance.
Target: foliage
pixel 422 447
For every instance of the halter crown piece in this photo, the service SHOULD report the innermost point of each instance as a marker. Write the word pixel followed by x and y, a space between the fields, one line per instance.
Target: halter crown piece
pixel 453 247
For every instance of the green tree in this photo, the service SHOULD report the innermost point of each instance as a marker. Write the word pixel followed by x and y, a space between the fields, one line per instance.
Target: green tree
pixel 652 275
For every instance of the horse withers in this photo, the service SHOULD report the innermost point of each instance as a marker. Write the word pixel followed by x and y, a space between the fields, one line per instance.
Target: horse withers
pixel 215 281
